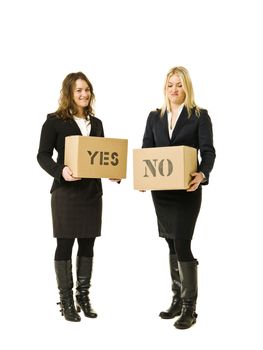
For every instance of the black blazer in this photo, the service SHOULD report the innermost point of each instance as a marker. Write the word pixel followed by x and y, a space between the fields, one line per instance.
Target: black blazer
pixel 194 132
pixel 53 134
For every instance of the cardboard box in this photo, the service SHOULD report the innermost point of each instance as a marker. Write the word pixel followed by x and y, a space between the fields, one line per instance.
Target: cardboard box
pixel 163 168
pixel 96 157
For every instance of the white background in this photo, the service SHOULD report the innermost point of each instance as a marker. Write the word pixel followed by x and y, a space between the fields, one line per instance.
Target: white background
pixel 126 49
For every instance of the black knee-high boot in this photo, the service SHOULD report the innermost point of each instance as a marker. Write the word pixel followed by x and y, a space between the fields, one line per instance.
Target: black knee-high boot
pixel 188 276
pixel 84 272
pixel 63 270
pixel 176 306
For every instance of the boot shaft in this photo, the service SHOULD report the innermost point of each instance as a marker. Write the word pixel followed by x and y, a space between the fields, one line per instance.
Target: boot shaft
pixel 84 266
pixel 84 273
pixel 188 277
pixel 174 272
pixel 63 269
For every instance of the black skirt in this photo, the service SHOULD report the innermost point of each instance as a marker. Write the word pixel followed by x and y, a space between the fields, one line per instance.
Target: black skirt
pixel 177 212
pixel 75 212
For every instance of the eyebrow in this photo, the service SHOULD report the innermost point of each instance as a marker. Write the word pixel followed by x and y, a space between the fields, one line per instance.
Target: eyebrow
pixel 175 83
pixel 80 88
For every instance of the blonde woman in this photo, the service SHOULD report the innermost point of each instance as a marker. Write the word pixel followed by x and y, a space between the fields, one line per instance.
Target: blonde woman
pixel 181 122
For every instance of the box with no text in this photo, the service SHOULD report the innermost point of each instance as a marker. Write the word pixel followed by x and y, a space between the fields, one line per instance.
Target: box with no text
pixel 163 168
pixel 96 157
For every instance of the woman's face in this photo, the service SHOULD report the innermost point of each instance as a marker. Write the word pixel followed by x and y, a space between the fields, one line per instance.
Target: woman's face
pixel 175 92
pixel 81 94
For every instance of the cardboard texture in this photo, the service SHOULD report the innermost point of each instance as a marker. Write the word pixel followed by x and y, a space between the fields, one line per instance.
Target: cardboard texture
pixel 96 157
pixel 163 168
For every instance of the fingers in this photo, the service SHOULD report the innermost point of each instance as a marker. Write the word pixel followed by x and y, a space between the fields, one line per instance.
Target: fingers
pixel 67 174
pixel 194 184
pixel 193 188
pixel 75 178
pixel 72 178
pixel 195 174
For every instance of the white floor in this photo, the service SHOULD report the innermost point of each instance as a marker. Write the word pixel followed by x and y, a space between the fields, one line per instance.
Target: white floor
pixel 131 285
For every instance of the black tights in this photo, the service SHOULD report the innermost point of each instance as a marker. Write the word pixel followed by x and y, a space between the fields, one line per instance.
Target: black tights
pixel 181 248
pixel 65 246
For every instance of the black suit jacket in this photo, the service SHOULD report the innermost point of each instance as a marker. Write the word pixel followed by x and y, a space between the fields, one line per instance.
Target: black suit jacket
pixel 195 131
pixel 53 134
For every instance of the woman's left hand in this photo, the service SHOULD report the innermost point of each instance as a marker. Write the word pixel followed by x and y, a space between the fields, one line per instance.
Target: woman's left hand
pixel 197 179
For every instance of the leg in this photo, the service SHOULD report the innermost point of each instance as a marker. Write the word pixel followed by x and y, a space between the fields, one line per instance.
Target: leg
pixel 188 276
pixel 183 249
pixel 84 273
pixel 63 268
pixel 176 305
pixel 64 248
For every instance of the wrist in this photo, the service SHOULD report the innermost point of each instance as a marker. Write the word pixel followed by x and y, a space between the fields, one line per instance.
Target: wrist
pixel 204 178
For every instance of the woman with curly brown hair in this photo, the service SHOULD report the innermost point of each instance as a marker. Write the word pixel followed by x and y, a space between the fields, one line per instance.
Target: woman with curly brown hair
pixel 76 203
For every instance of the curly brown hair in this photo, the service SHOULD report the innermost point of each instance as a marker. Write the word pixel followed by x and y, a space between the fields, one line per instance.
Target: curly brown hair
pixel 67 107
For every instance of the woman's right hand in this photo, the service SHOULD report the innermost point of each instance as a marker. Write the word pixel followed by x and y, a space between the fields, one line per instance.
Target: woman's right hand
pixel 67 174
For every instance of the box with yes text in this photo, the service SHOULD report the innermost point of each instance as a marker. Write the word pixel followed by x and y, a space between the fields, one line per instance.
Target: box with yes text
pixel 96 157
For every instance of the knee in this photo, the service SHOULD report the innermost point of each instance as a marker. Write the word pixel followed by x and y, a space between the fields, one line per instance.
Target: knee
pixel 183 250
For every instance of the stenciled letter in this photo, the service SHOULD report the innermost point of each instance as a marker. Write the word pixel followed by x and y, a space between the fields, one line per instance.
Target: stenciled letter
pixel 170 167
pixel 151 167
pixel 114 157
pixel 92 156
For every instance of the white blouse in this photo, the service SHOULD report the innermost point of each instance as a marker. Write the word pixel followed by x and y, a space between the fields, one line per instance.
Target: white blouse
pixel 83 124
pixel 169 118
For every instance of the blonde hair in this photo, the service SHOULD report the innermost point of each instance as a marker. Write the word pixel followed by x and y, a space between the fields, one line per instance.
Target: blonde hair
pixel 67 107
pixel 189 102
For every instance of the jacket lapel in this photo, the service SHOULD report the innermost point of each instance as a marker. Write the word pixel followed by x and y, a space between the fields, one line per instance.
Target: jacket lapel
pixel 78 131
pixel 164 123
pixel 182 120
pixel 92 127
pixel 75 127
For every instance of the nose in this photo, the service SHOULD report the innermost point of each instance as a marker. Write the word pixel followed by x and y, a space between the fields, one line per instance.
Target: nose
pixel 85 94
